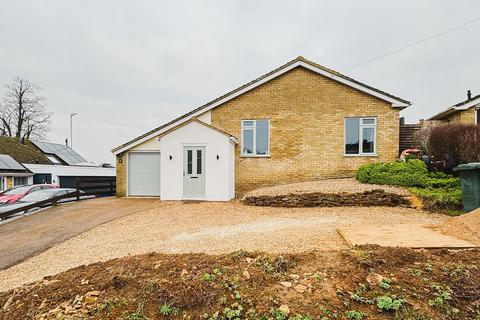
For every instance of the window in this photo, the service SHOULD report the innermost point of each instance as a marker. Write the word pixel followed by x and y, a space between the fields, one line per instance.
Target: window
pixel 477 116
pixel 255 138
pixel 3 184
pixel 20 181
pixel 360 136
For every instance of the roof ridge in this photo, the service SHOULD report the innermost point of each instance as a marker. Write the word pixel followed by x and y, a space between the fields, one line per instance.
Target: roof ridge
pixel 258 79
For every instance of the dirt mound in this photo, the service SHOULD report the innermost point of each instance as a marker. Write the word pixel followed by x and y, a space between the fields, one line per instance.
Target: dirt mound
pixel 369 281
pixel 466 226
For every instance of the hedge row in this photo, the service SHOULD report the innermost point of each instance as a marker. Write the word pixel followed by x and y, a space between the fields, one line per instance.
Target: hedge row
pixel 437 189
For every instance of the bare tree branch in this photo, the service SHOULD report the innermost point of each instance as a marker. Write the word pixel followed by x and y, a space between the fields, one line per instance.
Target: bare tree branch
pixel 22 112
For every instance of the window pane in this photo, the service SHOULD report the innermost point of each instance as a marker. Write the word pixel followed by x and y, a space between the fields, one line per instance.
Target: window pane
pixel 248 123
pixel 478 116
pixel 247 141
pixel 368 121
pixel 199 161
pixel 262 137
pixel 19 181
pixel 351 136
pixel 189 161
pixel 368 140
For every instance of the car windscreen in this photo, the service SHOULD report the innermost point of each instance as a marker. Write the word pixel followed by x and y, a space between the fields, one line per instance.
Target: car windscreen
pixel 38 195
pixel 16 190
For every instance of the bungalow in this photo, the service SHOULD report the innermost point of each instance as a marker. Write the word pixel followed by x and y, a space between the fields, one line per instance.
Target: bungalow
pixel 298 122
pixel 467 111
pixel 35 162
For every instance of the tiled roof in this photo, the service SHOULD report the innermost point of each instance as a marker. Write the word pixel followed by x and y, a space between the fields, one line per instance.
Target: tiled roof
pixel 239 89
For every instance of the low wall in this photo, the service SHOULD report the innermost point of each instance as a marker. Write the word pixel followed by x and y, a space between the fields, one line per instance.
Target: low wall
pixel 316 199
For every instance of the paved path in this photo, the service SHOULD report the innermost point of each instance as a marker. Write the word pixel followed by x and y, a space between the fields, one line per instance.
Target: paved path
pixel 30 235
pixel 402 235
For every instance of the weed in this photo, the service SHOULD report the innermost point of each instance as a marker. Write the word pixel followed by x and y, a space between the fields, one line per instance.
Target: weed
pixel 441 300
pixel 208 277
pixel 355 315
pixel 357 296
pixel 389 303
pixel 108 305
pixel 278 314
pixel 410 314
pixel 415 272
pixel 460 270
pixel 301 317
pixel 385 284
pixel 136 315
pixel 168 310
pixel 234 312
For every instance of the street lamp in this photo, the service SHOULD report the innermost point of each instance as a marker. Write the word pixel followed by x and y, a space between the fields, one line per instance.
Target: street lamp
pixel 71 128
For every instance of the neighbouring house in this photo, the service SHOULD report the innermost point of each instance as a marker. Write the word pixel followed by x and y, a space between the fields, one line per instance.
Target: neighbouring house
pixel 298 122
pixel 467 111
pixel 34 162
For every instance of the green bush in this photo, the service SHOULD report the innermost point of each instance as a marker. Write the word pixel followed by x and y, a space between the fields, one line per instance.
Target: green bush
pixel 412 173
pixel 437 189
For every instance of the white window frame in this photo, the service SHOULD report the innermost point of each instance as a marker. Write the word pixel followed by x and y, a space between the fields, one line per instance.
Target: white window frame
pixel 477 120
pixel 361 126
pixel 254 129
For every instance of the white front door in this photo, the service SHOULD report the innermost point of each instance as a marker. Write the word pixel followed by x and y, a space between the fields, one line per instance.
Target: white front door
pixel 193 172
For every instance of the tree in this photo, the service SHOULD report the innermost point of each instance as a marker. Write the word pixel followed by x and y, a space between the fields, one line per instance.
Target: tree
pixel 22 113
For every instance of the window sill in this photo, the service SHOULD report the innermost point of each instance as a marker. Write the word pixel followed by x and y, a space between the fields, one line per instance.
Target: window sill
pixel 254 156
pixel 361 155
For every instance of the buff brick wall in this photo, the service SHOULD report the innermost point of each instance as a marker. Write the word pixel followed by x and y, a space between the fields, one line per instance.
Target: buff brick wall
pixel 306 113
pixel 121 185
pixel 464 116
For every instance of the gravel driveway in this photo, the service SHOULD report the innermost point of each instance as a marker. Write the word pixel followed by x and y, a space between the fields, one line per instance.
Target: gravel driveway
pixel 210 227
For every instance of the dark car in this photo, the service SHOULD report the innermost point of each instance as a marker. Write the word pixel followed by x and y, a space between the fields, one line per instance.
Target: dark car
pixel 38 196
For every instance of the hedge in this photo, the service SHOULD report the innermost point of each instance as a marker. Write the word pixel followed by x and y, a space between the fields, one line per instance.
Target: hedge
pixel 437 189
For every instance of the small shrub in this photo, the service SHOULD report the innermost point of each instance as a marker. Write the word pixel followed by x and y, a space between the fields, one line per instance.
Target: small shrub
pixel 456 140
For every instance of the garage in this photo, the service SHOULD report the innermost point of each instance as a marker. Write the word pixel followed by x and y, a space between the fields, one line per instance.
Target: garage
pixel 144 174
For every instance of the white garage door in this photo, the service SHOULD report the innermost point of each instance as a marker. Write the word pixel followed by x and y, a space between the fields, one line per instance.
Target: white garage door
pixel 144 174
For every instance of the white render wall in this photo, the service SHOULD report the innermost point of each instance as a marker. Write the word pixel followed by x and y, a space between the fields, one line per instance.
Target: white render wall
pixel 219 173
pixel 59 171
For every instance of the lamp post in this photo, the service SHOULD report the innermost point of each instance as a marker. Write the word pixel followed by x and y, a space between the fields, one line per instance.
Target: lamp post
pixel 71 128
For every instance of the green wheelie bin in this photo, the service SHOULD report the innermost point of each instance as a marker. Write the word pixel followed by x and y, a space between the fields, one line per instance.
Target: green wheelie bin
pixel 470 181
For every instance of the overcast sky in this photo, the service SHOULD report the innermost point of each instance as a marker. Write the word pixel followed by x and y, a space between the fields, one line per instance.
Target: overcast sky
pixel 129 66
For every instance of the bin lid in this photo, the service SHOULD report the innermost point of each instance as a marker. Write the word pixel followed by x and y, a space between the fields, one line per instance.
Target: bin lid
pixel 468 166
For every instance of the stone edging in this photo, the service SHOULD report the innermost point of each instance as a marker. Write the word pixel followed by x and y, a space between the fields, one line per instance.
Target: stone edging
pixel 376 197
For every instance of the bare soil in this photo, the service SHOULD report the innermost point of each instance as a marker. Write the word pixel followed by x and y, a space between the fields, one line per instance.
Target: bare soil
pixel 379 282
pixel 466 226
pixel 213 228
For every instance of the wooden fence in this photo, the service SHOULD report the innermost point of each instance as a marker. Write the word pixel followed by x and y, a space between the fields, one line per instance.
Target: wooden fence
pixel 97 186
pixel 41 204
pixel 86 186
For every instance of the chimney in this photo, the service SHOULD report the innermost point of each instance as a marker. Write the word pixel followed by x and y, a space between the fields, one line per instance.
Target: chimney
pixel 469 95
